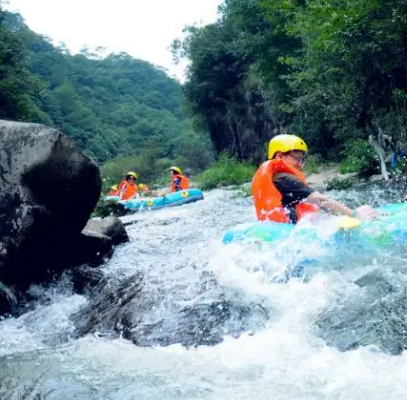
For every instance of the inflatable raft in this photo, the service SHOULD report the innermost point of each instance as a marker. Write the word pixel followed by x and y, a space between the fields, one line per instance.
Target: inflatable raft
pixel 154 203
pixel 389 229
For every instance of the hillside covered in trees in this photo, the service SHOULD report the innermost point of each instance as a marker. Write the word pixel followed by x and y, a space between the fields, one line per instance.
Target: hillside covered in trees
pixel 120 110
pixel 331 71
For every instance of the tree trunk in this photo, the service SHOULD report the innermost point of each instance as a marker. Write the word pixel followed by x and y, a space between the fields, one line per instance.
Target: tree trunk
pixel 380 152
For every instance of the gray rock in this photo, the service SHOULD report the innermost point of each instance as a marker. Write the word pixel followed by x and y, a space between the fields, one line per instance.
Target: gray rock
pixel 105 310
pixel 48 190
pixel 85 278
pixel 373 316
pixel 112 227
pixel 122 307
pixel 376 178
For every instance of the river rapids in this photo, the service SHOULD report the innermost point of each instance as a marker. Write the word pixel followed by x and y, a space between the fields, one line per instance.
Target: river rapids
pixel 215 322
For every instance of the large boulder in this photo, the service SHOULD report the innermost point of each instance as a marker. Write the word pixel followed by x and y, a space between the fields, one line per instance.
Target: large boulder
pixel 48 190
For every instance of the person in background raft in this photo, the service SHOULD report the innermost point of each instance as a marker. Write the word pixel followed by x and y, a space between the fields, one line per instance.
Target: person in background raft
pixel 142 187
pixel 113 190
pixel 128 188
pixel 280 190
pixel 187 173
pixel 179 181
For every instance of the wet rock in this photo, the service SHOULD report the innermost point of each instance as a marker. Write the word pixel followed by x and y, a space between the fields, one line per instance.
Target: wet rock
pixel 376 178
pixel 199 324
pixel 128 308
pixel 376 283
pixel 90 248
pixel 105 310
pixel 106 208
pixel 84 278
pixel 376 315
pixel 48 190
pixel 111 227
pixel 8 300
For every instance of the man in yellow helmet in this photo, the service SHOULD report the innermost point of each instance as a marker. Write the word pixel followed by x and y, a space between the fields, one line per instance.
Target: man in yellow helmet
pixel 128 187
pixel 280 190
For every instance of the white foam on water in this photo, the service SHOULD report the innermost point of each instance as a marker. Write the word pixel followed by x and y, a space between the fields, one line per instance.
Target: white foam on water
pixel 285 360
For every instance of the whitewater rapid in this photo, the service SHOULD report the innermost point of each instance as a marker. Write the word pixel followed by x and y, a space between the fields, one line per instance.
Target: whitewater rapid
pixel 293 355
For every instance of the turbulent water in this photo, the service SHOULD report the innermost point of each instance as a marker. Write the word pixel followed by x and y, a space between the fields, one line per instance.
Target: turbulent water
pixel 339 335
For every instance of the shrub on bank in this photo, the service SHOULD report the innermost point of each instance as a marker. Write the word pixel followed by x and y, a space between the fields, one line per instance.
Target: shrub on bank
pixel 226 171
pixel 360 158
pixel 313 165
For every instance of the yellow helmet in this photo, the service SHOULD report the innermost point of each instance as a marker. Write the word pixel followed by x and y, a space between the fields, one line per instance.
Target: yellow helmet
pixel 133 174
pixel 176 169
pixel 141 186
pixel 114 187
pixel 284 144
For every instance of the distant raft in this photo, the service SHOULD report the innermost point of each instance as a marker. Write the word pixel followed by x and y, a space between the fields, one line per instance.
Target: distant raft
pixel 154 203
pixel 387 230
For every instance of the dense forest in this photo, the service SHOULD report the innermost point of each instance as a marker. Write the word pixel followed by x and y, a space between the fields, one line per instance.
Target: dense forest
pixel 331 71
pixel 125 113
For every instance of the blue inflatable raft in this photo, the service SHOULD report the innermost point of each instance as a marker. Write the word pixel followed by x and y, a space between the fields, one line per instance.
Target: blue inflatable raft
pixel 325 242
pixel 154 203
pixel 390 228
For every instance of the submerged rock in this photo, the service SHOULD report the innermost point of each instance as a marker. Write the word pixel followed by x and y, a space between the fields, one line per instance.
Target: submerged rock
pixel 376 315
pixel 105 310
pixel 84 278
pixel 128 308
pixel 8 300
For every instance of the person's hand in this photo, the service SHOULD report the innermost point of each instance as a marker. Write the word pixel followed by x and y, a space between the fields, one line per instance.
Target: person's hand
pixel 366 213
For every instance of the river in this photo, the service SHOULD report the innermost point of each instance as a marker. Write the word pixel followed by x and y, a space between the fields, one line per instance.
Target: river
pixel 340 335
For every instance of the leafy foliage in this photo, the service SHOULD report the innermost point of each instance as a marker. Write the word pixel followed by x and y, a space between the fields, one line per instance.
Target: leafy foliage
pixel 226 171
pixel 331 71
pixel 360 158
pixel 121 111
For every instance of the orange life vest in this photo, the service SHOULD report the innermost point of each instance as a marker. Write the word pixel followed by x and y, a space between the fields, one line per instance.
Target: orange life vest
pixel 184 182
pixel 267 198
pixel 113 193
pixel 127 190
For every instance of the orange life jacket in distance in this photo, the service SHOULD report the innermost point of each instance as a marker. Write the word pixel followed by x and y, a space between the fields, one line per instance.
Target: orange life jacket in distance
pixel 183 185
pixel 127 190
pixel 113 193
pixel 267 198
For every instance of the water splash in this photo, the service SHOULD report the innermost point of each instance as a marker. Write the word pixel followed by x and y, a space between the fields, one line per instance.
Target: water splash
pixel 304 349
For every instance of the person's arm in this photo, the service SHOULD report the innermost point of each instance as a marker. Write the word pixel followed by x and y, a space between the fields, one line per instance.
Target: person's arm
pixel 363 213
pixel 293 191
pixel 122 190
pixel 328 204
